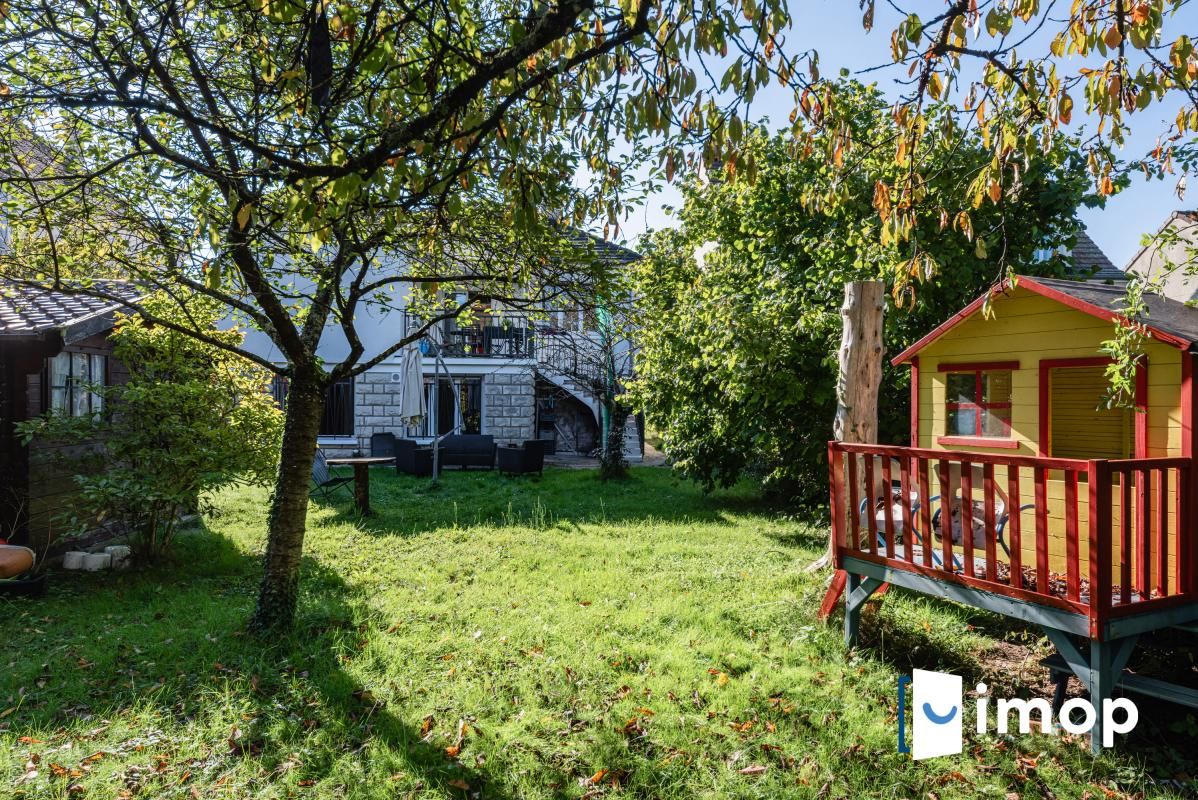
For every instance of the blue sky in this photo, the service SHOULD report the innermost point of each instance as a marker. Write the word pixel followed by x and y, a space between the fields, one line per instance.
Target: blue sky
pixel 833 28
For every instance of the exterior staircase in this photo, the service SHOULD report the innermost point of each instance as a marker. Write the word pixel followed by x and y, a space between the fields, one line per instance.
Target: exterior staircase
pixel 565 359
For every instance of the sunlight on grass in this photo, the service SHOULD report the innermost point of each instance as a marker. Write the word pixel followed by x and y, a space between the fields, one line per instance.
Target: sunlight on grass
pixel 499 638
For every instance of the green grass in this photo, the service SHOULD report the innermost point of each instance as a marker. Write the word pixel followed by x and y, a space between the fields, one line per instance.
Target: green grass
pixel 509 638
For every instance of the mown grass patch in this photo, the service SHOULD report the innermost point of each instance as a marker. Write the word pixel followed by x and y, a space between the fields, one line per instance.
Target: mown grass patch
pixel 511 638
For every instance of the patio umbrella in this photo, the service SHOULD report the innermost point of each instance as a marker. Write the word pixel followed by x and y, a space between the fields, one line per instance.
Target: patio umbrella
pixel 412 408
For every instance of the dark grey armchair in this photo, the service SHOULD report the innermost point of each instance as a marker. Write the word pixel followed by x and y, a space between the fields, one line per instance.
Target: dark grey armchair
pixel 523 459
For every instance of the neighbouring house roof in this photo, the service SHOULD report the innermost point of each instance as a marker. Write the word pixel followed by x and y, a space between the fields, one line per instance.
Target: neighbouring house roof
pixel 607 252
pixel 1168 321
pixel 32 311
pixel 1090 262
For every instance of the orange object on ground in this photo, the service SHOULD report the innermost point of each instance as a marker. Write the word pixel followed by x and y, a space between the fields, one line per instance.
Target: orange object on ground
pixel 15 560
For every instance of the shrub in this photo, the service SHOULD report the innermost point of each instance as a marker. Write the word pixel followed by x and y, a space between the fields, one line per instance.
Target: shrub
pixel 192 418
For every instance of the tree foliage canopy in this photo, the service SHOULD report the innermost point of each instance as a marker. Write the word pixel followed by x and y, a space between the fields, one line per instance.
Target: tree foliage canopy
pixel 303 161
pixel 739 317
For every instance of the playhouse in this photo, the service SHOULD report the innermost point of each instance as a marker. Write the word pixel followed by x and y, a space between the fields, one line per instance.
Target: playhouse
pixel 1021 492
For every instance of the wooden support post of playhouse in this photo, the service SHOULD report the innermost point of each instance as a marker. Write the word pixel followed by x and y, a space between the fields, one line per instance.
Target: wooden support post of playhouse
pixel 857 594
pixel 1099 671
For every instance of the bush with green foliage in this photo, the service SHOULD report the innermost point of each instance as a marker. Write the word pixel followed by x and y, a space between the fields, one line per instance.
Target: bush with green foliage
pixel 192 419
pixel 738 309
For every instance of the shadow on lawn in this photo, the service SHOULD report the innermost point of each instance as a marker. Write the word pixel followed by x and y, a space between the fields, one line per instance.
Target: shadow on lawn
pixel 410 505
pixel 1010 667
pixel 96 634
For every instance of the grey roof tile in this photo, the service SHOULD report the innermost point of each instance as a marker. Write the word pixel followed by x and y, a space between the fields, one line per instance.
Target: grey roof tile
pixel 1090 262
pixel 27 311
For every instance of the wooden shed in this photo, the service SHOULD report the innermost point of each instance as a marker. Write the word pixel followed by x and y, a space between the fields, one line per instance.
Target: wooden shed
pixel 1017 474
pixel 53 346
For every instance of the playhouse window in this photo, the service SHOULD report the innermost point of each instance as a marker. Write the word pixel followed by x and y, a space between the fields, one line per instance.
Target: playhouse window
pixel 978 403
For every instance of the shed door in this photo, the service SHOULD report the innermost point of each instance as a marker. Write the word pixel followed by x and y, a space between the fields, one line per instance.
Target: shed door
pixel 1078 428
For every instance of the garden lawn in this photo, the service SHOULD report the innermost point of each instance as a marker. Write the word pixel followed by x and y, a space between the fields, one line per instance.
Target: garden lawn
pixel 513 638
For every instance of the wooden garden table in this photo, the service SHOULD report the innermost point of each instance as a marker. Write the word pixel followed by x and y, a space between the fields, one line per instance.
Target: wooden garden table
pixel 361 465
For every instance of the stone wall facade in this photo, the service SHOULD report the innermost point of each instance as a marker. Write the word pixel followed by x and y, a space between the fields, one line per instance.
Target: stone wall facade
pixel 510 407
pixel 376 407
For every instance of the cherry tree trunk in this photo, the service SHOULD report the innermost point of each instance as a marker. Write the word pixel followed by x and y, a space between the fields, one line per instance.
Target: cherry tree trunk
pixel 287 518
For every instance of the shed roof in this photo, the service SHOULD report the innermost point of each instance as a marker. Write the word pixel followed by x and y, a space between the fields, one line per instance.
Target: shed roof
pixel 31 311
pixel 1168 321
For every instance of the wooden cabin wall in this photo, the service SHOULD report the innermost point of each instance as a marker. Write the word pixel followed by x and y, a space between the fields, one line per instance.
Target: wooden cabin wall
pixel 53 493
pixel 1028 328
pixel 12 458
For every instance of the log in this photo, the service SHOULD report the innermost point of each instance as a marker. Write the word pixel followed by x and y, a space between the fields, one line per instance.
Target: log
pixel 860 372
pixel 860 363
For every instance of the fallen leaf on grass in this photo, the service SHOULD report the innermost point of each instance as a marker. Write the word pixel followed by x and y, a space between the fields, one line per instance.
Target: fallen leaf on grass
pixel 756 769
pixel 427 725
pixel 457 783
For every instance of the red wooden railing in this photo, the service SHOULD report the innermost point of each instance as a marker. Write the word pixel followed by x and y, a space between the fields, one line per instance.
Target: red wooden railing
pixel 1136 511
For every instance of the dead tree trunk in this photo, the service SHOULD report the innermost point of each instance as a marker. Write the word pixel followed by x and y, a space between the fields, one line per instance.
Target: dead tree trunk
pixel 860 369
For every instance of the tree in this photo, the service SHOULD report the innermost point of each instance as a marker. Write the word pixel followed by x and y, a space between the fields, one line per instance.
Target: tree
pixel 191 419
pixel 300 163
pixel 1016 72
pixel 738 312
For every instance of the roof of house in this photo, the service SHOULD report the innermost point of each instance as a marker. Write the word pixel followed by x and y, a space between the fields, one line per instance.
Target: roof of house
pixel 30 311
pixel 606 251
pixel 1090 262
pixel 1168 321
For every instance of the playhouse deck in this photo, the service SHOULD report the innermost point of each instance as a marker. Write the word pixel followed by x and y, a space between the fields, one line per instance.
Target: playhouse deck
pixel 1058 512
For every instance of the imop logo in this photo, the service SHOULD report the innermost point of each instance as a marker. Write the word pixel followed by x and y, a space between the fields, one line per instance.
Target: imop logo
pixel 936 714
pixel 938 706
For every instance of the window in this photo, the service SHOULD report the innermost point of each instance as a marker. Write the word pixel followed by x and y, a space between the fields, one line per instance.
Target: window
pixel 978 403
pixel 72 377
pixel 467 416
pixel 338 416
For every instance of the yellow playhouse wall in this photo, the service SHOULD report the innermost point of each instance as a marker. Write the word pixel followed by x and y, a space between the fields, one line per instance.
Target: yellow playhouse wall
pixel 1027 328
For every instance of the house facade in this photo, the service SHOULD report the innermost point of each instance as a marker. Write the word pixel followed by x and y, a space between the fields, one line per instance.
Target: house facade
pixel 1175 243
pixel 512 374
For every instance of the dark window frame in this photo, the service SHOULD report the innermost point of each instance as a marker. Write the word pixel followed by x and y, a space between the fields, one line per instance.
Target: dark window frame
pixel 337 418
pixel 75 385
